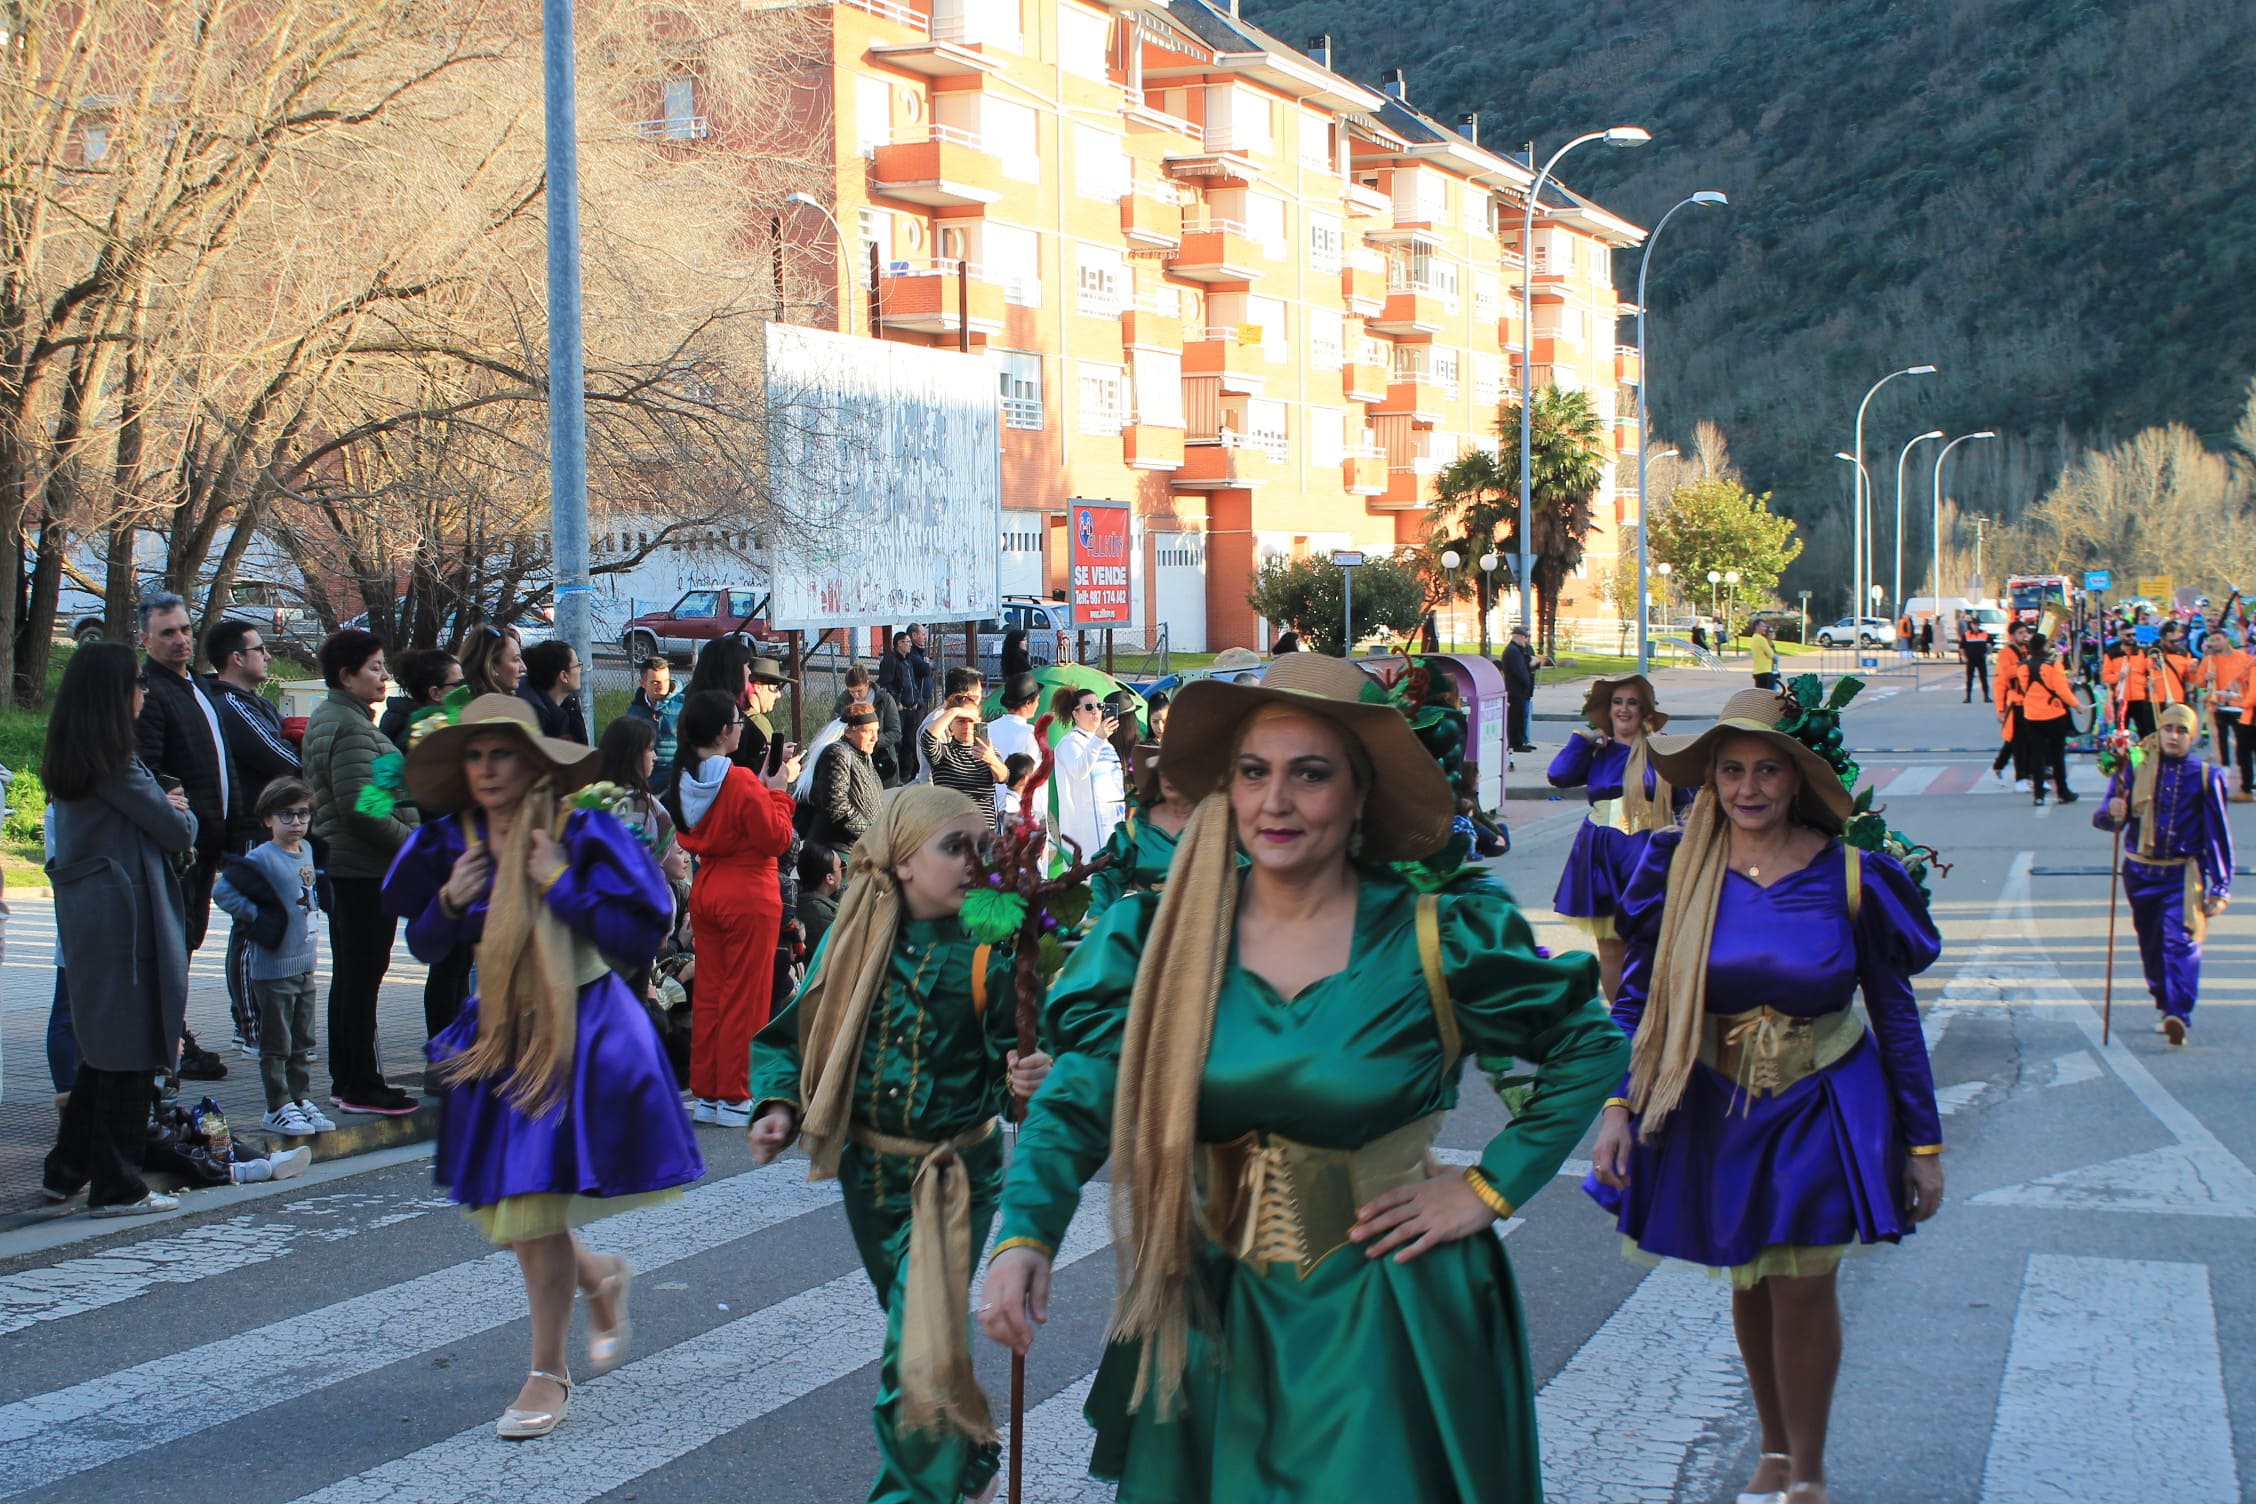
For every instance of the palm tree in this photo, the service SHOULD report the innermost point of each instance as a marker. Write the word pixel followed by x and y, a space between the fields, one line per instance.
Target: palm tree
pixel 1473 504
pixel 1568 463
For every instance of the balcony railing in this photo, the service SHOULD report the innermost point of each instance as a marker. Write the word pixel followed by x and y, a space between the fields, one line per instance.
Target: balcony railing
pixel 900 15
pixel 1363 451
pixel 1022 412
pixel 1275 445
pixel 1364 259
pixel 1211 226
pixel 951 135
pixel 674 128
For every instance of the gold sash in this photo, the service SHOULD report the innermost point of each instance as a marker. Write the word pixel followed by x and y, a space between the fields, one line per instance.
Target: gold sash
pixel 1270 1200
pixel 1765 1052
pixel 939 1390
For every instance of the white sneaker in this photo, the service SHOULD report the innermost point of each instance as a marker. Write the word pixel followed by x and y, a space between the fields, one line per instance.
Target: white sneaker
pixel 287 1120
pixel 290 1163
pixel 314 1116
pixel 733 1114
pixel 2021 785
pixel 702 1110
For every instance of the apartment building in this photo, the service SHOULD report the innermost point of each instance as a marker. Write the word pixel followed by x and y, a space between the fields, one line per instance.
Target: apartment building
pixel 1262 302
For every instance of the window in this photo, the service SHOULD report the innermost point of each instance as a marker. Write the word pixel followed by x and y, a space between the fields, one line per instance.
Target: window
pixel 1327 332
pixel 1265 218
pixel 1445 369
pixel 870 229
pixel 1082 40
pixel 1237 119
pixel 873 114
pixel 1488 296
pixel 1104 399
pixel 1326 246
pixel 1315 132
pixel 1007 130
pixel 1159 388
pixel 1265 425
pixel 1101 274
pixel 1021 378
pixel 1488 380
pixel 97 143
pixel 976 23
pixel 681 122
pixel 1100 167
pixel 1014 260
pixel 1327 430
pixel 1268 315
pixel 699 603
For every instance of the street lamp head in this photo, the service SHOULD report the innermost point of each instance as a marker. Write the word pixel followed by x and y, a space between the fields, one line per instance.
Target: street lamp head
pixel 1450 558
pixel 1919 371
pixel 1664 454
pixel 1932 433
pixel 1731 576
pixel 1664 570
pixel 1843 454
pixel 1984 434
pixel 1715 576
pixel 1488 562
pixel 1709 196
pixel 1628 135
pixel 808 199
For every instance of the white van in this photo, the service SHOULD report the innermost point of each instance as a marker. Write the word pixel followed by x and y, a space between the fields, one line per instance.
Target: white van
pixel 1922 607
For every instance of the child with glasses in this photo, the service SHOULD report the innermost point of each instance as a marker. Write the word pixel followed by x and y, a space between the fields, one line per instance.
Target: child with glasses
pixel 269 891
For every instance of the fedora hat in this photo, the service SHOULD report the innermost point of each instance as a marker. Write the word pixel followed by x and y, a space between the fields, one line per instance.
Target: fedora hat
pixel 767 671
pixel 434 766
pixel 1597 705
pixel 1683 760
pixel 1408 809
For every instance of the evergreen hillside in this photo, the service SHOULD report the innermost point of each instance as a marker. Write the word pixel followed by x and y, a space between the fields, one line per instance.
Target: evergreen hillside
pixel 2047 199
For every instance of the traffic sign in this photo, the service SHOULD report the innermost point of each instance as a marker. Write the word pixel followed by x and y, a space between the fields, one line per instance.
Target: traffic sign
pixel 2099 580
pixel 1346 558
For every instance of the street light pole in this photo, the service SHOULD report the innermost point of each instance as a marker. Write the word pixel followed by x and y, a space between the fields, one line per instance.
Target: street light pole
pixel 1856 577
pixel 1620 135
pixel 567 356
pixel 1935 520
pixel 1450 559
pixel 1864 488
pixel 1901 456
pixel 1715 578
pixel 845 303
pixel 1488 563
pixel 1644 403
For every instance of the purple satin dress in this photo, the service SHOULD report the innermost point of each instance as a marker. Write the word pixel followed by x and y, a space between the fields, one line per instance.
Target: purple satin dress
pixel 620 1130
pixel 2189 827
pixel 1603 857
pixel 1821 1163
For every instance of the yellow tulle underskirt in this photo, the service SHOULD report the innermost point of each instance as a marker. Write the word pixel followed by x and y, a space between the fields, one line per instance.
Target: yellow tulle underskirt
pixel 526 1219
pixel 1785 1260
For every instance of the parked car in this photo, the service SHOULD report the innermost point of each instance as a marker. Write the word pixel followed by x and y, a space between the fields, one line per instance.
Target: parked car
pixel 1869 631
pixel 1048 626
pixel 696 619
pixel 280 617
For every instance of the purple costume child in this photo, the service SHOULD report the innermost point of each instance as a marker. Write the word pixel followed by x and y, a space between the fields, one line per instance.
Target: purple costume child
pixel 619 1130
pixel 1760 1182
pixel 2178 852
pixel 1605 851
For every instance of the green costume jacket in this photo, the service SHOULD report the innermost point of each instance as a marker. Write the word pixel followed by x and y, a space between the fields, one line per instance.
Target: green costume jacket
pixel 1362 1379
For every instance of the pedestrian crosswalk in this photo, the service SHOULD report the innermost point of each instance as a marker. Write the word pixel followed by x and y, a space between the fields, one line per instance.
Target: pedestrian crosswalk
pixel 1908 780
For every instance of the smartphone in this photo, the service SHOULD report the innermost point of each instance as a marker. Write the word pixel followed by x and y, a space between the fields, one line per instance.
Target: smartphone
pixel 167 782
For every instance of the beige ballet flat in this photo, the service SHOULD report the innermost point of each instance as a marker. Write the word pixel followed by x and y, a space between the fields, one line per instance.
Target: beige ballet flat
pixel 606 1350
pixel 524 1425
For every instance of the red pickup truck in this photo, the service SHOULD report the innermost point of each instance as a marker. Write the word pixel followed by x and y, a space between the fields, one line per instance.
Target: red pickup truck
pixel 696 619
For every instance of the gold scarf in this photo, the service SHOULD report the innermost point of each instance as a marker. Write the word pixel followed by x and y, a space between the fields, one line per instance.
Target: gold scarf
pixel 1668 1035
pixel 528 974
pixel 1640 813
pixel 835 1004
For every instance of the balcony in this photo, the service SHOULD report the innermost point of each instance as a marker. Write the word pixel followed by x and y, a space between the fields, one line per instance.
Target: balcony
pixel 926 298
pixel 1231 462
pixel 1148 446
pixel 940 167
pixel 1413 309
pixel 1427 396
pixel 1217 250
pixel 1627 367
pixel 1152 215
pixel 1363 470
pixel 899 15
pixel 1151 323
pixel 1364 203
pixel 1366 380
pixel 674 128
pixel 1363 284
pixel 1227 352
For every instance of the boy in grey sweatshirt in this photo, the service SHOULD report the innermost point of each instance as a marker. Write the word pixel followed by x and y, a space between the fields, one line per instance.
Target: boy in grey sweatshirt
pixel 269 890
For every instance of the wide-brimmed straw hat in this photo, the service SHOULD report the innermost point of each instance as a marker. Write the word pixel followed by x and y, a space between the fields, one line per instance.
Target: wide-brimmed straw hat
pixel 1597 705
pixel 434 767
pixel 1683 760
pixel 1407 811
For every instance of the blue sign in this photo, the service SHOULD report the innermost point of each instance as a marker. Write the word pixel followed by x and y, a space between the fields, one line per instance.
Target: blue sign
pixel 2099 579
pixel 2148 633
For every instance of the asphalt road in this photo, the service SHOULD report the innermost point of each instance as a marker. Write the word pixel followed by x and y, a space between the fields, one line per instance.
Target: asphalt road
pixel 2078 1324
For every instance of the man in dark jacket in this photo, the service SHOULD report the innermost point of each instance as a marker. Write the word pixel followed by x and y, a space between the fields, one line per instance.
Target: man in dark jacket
pixel 181 739
pixel 1519 689
pixel 252 725
pixel 551 685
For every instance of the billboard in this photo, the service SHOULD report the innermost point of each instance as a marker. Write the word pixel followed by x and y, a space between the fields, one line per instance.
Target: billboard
pixel 885 470
pixel 1098 551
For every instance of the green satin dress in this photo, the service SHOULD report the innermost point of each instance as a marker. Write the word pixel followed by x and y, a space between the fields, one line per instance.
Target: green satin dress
pixel 1367 1379
pixel 1141 853
pixel 932 1067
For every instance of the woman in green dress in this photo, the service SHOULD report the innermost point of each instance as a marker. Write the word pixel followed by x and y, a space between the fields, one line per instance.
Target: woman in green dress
pixel 894 1069
pixel 1306 1312
pixel 1143 844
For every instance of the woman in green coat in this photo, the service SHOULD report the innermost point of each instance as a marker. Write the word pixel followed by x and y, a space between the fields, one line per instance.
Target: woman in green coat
pixel 894 1069
pixel 1307 1311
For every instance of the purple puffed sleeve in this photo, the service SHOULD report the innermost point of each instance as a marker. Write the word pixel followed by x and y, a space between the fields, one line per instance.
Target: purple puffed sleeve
pixel 1571 768
pixel 2216 854
pixel 1896 941
pixel 411 891
pixel 611 890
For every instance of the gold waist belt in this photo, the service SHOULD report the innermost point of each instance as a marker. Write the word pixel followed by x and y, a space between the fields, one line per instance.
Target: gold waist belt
pixel 1764 1052
pixel 1270 1200
pixel 917 1148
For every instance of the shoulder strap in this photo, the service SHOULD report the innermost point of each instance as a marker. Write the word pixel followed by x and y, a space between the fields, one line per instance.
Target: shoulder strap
pixel 1855 877
pixel 979 960
pixel 1437 984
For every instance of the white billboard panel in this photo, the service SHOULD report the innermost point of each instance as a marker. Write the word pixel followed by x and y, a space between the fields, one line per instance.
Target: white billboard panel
pixel 885 465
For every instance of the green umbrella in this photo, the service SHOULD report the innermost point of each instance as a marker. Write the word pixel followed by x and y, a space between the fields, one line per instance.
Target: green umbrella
pixel 1064 675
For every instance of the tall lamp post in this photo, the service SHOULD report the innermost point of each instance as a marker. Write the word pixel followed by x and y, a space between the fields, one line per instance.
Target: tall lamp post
pixel 1935 521
pixel 1901 456
pixel 1864 487
pixel 845 303
pixel 1644 402
pixel 567 354
pixel 1488 563
pixel 1856 573
pixel 1620 135
pixel 1731 607
pixel 1450 559
pixel 1664 569
pixel 1715 578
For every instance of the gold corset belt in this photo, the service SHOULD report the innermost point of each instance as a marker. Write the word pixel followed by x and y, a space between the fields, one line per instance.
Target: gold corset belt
pixel 1764 1051
pixel 1271 1201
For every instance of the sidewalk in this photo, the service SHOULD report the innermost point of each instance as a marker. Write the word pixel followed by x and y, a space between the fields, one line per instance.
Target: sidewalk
pixel 27 1110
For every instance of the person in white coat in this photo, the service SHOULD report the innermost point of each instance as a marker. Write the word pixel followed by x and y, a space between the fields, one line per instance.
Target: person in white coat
pixel 1089 792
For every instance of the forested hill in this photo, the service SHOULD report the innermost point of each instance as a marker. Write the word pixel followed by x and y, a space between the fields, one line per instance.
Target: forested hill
pixel 2053 201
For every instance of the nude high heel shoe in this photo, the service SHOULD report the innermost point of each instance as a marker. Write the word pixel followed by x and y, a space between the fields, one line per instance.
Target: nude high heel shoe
pixel 525 1425
pixel 1774 1496
pixel 606 1350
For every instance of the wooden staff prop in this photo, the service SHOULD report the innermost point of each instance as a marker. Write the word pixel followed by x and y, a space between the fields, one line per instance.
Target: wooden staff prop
pixel 1019 903
pixel 2120 752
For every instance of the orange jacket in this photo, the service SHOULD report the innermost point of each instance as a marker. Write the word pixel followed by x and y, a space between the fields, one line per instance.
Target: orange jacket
pixel 2221 674
pixel 2046 696
pixel 2135 677
pixel 2008 679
